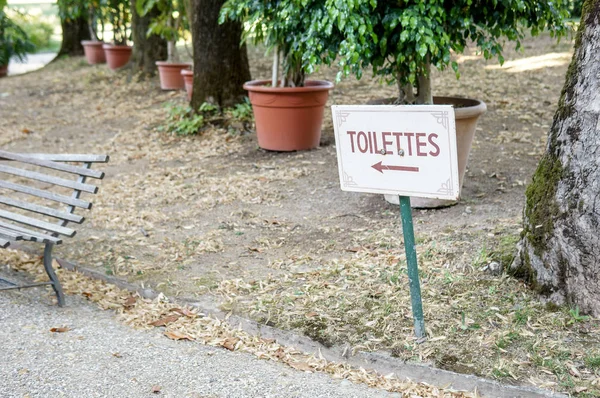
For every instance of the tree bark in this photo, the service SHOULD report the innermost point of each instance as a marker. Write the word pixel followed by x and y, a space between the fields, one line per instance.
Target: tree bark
pixel 559 252
pixel 406 93
pixel 220 63
pixel 424 93
pixel 147 50
pixel 73 32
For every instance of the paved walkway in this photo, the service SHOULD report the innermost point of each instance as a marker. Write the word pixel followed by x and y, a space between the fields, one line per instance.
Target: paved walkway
pixel 33 62
pixel 100 357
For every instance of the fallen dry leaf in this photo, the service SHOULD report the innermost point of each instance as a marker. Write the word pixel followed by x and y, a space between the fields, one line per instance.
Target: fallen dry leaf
pixel 185 312
pixel 230 343
pixel 279 354
pixel 175 335
pixel 164 320
pixel 130 302
pixel 60 330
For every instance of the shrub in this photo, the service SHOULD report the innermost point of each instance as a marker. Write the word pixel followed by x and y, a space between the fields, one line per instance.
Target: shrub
pixel 38 29
pixel 14 42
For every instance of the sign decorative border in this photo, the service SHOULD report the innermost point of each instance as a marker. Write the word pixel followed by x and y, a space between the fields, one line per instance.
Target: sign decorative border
pixel 441 118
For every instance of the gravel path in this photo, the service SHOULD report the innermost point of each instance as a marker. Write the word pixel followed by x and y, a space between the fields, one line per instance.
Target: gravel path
pixel 33 62
pixel 100 357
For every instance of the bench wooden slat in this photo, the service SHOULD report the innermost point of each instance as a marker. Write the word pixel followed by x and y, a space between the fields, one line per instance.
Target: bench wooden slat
pixel 32 222
pixel 13 235
pixel 52 165
pixel 4 243
pixel 46 195
pixel 49 179
pixel 47 211
pixel 28 234
pixel 68 157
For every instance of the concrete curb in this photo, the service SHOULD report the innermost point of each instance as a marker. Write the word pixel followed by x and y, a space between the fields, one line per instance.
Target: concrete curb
pixel 382 363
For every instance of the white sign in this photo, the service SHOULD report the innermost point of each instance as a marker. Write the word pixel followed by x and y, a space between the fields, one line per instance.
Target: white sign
pixel 407 150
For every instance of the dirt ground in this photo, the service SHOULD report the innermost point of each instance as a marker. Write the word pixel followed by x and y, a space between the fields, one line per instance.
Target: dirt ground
pixel 271 236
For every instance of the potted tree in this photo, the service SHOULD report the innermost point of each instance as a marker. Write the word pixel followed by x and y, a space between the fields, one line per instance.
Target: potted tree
pixel 13 41
pixel 118 53
pixel 288 109
pixel 408 38
pixel 171 25
pixel 93 49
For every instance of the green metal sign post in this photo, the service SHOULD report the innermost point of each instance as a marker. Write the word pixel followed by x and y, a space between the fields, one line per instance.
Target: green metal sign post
pixel 413 269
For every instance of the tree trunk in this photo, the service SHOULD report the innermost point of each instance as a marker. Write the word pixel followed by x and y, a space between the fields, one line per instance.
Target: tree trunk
pixel 220 63
pixel 424 93
pixel 406 92
pixel 147 50
pixel 73 32
pixel 559 252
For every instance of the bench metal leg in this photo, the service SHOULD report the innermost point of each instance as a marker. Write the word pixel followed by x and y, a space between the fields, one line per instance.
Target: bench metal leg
pixel 52 275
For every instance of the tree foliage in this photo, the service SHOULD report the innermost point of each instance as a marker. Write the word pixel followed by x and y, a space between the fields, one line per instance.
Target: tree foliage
pixel 96 12
pixel 172 22
pixel 119 15
pixel 303 31
pixel 399 39
pixel 410 34
pixel 14 42
pixel 407 35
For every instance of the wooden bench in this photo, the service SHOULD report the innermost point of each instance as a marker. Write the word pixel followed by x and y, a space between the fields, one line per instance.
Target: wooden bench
pixel 28 199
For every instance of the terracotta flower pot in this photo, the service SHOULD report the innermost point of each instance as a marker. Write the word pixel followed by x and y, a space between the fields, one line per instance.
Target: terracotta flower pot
pixel 188 79
pixel 288 118
pixel 3 70
pixel 466 114
pixel 170 75
pixel 116 56
pixel 94 53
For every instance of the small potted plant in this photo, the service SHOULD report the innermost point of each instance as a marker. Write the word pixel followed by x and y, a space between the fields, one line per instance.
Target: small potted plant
pixel 13 41
pixel 93 49
pixel 407 38
pixel 288 109
pixel 119 15
pixel 171 25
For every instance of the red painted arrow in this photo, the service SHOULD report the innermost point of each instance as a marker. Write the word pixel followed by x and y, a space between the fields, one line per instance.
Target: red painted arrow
pixel 380 167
